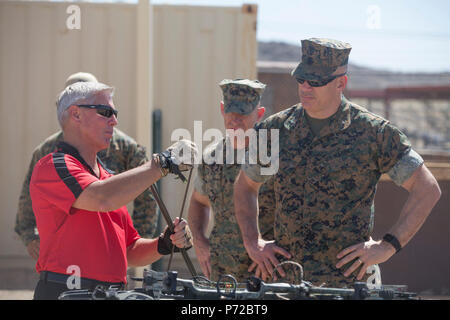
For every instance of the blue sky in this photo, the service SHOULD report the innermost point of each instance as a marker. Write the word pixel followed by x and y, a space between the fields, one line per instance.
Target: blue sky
pixel 397 35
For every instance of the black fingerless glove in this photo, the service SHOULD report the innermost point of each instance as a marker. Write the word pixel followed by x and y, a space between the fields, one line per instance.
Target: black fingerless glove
pixel 165 244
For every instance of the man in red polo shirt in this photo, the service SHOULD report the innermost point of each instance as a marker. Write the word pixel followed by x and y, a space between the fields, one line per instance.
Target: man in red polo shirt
pixel 80 206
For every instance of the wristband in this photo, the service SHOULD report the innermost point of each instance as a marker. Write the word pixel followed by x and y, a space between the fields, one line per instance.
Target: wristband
pixel 393 241
pixel 164 245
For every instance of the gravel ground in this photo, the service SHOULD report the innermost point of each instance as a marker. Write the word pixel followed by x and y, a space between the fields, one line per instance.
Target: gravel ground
pixel 16 294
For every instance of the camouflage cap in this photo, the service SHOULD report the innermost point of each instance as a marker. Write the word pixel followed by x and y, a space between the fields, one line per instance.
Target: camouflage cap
pixel 321 57
pixel 241 95
pixel 80 77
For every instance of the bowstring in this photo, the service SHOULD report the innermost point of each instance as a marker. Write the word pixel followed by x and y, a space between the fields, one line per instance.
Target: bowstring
pixel 181 215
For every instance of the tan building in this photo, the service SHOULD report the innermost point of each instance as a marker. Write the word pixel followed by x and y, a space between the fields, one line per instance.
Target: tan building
pixel 167 58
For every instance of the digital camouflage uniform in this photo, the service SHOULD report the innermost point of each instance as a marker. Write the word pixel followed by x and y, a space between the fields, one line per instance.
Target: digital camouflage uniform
pixel 325 185
pixel 123 154
pixel 228 255
pixel 216 180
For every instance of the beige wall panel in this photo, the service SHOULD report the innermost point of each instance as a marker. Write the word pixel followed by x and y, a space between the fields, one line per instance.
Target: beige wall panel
pixel 38 117
pixel 13 103
pixel 144 72
pixel 192 48
pixel 66 54
pixel 195 48
pixel 120 64
pixel 37 53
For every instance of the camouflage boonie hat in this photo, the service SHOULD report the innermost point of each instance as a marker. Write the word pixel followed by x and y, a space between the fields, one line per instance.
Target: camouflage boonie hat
pixel 80 77
pixel 241 95
pixel 320 58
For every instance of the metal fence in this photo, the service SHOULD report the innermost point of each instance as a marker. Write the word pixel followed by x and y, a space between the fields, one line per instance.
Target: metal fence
pixel 426 122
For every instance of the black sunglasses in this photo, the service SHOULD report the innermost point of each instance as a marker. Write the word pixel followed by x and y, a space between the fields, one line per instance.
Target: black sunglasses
pixel 319 83
pixel 103 110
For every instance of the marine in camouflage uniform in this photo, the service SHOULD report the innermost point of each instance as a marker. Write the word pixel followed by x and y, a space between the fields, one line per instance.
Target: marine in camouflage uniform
pixel 329 181
pixel 215 181
pixel 228 255
pixel 123 154
pixel 326 182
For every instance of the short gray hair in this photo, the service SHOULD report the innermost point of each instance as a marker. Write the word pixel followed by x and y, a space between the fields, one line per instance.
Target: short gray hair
pixel 79 93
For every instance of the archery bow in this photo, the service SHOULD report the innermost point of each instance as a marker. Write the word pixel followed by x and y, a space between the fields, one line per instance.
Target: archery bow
pixel 170 224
